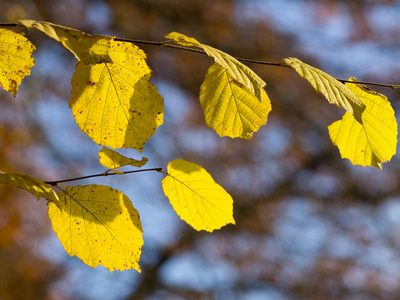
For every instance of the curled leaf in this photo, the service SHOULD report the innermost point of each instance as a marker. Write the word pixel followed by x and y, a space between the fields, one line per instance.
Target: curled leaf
pixel 113 160
pixel 91 49
pixel 237 71
pixel 30 184
pixel 333 90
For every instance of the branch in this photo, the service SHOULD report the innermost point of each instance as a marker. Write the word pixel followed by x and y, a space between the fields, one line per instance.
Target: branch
pixel 277 64
pixel 8 24
pixel 164 44
pixel 55 182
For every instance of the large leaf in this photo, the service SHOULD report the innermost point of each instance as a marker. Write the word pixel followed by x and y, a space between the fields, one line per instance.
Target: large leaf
pixel 31 184
pixel 114 103
pixel 196 197
pixel 333 90
pixel 16 59
pixel 373 141
pixel 112 159
pixel 228 108
pixel 91 49
pixel 100 226
pixel 238 71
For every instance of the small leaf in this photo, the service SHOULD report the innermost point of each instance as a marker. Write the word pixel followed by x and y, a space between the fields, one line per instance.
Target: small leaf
pixel 91 49
pixel 228 108
pixel 238 71
pixel 114 103
pixel 16 59
pixel 333 90
pixel 30 184
pixel 373 141
pixel 112 159
pixel 100 226
pixel 196 197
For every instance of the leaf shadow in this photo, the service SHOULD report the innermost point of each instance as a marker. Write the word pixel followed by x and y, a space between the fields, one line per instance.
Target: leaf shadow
pixel 186 168
pixel 145 114
pixel 106 206
pixel 113 111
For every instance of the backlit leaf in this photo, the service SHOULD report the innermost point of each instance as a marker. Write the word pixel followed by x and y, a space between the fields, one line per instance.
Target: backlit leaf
pixel 30 184
pixel 228 108
pixel 91 49
pixel 333 90
pixel 374 140
pixel 114 103
pixel 238 71
pixel 196 197
pixel 100 226
pixel 112 159
pixel 16 59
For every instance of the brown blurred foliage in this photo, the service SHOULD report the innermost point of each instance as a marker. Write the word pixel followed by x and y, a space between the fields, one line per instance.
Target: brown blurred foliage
pixel 309 225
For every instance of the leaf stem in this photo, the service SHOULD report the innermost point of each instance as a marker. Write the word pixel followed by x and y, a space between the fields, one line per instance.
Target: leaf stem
pixel 55 182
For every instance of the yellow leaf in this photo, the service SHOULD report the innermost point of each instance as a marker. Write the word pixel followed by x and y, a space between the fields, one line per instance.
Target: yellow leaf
pixel 100 226
pixel 238 71
pixel 31 184
pixel 333 90
pixel 196 197
pixel 114 103
pixel 16 59
pixel 91 49
pixel 229 109
pixel 112 159
pixel 374 140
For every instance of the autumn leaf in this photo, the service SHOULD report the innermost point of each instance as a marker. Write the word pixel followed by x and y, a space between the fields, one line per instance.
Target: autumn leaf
pixel 228 108
pixel 333 90
pixel 238 72
pixel 16 59
pixel 373 141
pixel 196 197
pixel 30 184
pixel 91 49
pixel 99 225
pixel 113 160
pixel 114 103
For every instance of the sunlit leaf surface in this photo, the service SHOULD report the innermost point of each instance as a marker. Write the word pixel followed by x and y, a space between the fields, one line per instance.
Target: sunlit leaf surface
pixel 16 59
pixel 196 197
pixel 228 108
pixel 373 141
pixel 100 226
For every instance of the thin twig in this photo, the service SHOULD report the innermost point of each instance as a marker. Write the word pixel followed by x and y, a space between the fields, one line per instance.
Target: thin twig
pixel 392 86
pixel 55 182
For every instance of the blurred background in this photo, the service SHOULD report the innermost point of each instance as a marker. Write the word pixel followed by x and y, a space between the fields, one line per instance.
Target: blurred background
pixel 309 225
